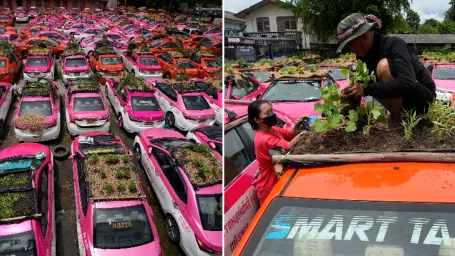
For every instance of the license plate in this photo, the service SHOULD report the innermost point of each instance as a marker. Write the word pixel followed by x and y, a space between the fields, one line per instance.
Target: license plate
pixel 36 73
pixel 91 121
pixel 113 72
pixel 202 120
pixel 148 123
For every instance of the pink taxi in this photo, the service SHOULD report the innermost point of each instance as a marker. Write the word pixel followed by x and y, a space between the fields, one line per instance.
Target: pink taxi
pixel 33 12
pixel 240 166
pixel 53 34
pixel 213 96
pixel 209 135
pixel 265 77
pixel 335 73
pixel 193 218
pixel 444 78
pixel 89 31
pixel 86 110
pixel 29 228
pixel 6 98
pixel 142 64
pixel 38 98
pixel 249 89
pixel 75 66
pixel 108 224
pixel 21 15
pixel 39 66
pixel 184 108
pixel 136 110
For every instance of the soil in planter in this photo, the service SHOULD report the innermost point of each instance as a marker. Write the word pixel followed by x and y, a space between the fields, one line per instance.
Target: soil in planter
pixel 339 141
pixel 14 179
pixel 16 205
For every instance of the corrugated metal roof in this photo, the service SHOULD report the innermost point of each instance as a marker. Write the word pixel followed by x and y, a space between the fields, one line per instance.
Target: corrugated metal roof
pixel 427 38
pixel 230 16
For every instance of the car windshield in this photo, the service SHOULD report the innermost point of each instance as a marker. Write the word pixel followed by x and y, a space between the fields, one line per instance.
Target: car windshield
pixel 347 228
pixel 336 75
pixel 42 107
pixel 208 44
pixel 444 73
pixel 195 102
pixel 2 63
pixel 124 227
pixel 300 91
pixel 110 61
pixel 155 44
pixel 184 64
pixel 22 244
pixel 88 104
pixel 3 18
pixel 144 103
pixel 76 62
pixel 53 41
pixel 262 76
pixel 149 61
pixel 90 40
pixel 212 63
pixel 111 36
pixel 37 62
pixel 210 211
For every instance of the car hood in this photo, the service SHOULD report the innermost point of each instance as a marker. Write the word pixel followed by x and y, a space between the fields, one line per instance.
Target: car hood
pixel 147 249
pixel 445 84
pixel 295 110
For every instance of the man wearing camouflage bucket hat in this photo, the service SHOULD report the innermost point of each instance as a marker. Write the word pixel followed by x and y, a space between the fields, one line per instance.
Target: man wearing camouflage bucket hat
pixel 403 81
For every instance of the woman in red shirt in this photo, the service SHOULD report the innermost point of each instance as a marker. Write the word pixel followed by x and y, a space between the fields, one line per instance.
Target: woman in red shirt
pixel 268 136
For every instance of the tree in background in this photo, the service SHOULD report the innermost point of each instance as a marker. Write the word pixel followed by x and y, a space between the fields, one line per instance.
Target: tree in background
pixel 400 26
pixel 413 20
pixel 321 17
pixel 431 22
pixel 427 29
pixel 450 13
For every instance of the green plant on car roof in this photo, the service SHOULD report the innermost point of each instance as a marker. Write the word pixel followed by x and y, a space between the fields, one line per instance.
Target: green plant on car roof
pixel 410 120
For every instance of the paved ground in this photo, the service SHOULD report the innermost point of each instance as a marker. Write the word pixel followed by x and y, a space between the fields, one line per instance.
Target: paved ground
pixel 64 193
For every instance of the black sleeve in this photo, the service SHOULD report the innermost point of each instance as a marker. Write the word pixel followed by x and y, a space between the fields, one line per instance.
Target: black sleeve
pixel 405 81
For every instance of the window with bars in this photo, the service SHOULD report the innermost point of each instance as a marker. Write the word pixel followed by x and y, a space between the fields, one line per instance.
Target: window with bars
pixel 263 24
pixel 290 24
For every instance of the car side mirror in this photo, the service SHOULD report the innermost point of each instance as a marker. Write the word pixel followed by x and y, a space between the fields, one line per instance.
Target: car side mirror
pixel 236 97
pixel 212 145
pixel 150 150
pixel 258 96
pixel 128 152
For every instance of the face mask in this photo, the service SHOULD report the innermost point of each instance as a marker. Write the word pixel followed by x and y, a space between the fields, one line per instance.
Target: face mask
pixel 270 120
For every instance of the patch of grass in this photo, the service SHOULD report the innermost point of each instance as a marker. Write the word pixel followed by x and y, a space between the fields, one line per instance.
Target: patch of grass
pixel 111 159
pixel 120 188
pixel 126 158
pixel 93 158
pixel 15 179
pixel 103 175
pixel 7 204
pixel 109 189
pixel 132 187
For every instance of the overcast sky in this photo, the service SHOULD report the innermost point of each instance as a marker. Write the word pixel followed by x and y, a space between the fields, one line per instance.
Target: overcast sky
pixel 426 9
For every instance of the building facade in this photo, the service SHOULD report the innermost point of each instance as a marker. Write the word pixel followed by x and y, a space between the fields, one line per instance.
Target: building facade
pixel 268 19
pixel 233 26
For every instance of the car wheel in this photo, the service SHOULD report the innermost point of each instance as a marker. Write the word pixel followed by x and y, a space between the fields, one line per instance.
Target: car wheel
pixel 61 152
pixel 170 119
pixel 167 76
pixel 172 229
pixel 137 152
pixel 24 55
pixel 120 120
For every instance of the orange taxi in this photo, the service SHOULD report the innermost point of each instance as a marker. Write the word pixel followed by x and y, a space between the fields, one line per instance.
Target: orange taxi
pixel 162 46
pixel 24 46
pixel 213 47
pixel 106 66
pixel 6 20
pixel 49 11
pixel 9 67
pixel 27 32
pixel 174 63
pixel 207 64
pixel 356 209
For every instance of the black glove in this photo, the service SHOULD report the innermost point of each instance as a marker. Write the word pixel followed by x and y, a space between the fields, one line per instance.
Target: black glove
pixel 302 125
pixel 277 151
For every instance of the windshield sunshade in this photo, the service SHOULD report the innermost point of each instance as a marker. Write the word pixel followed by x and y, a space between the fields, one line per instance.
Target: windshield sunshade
pixel 349 228
pixel 125 227
pixel 36 107
pixel 293 91
pixel 88 104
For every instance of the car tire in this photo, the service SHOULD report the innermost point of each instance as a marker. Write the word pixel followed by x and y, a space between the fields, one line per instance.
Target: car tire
pixel 172 230
pixel 170 119
pixel 137 152
pixel 61 152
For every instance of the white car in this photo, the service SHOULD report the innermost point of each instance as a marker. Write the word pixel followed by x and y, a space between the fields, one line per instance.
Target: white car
pixel 143 65
pixel 6 97
pixel 136 110
pixel 38 67
pixel 87 32
pixel 184 108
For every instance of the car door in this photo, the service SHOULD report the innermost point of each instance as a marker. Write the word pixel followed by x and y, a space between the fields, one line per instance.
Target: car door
pixel 121 98
pixel 81 202
pixel 160 185
pixel 46 208
pixel 240 168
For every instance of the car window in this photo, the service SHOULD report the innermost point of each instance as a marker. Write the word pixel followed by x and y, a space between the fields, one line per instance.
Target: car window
pixel 210 211
pixel 212 63
pixel 172 174
pixel 444 73
pixel 167 90
pixel 141 103
pixel 83 189
pixel 76 62
pixel 42 107
pixel 238 90
pixel 195 102
pixel 44 199
pixel 235 156
pixel 297 226
pixel 184 64
pixel 123 95
pixel 251 86
pixel 122 227
pixel 113 36
pixel 18 244
pixel 155 44
pixel 336 74
pixel 2 63
pixel 133 57
pixel 300 91
pixel 149 61
pixel 37 62
pixel 88 104
pixel 110 61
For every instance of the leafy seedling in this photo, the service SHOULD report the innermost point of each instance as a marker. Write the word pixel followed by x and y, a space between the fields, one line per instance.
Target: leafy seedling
pixel 410 120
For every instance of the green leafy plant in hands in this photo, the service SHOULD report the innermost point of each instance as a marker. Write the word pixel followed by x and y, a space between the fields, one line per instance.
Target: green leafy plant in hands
pixel 359 74
pixel 330 108
pixel 410 120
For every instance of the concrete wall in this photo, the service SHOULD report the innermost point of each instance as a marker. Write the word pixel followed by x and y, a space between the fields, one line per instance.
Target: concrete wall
pixel 272 11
